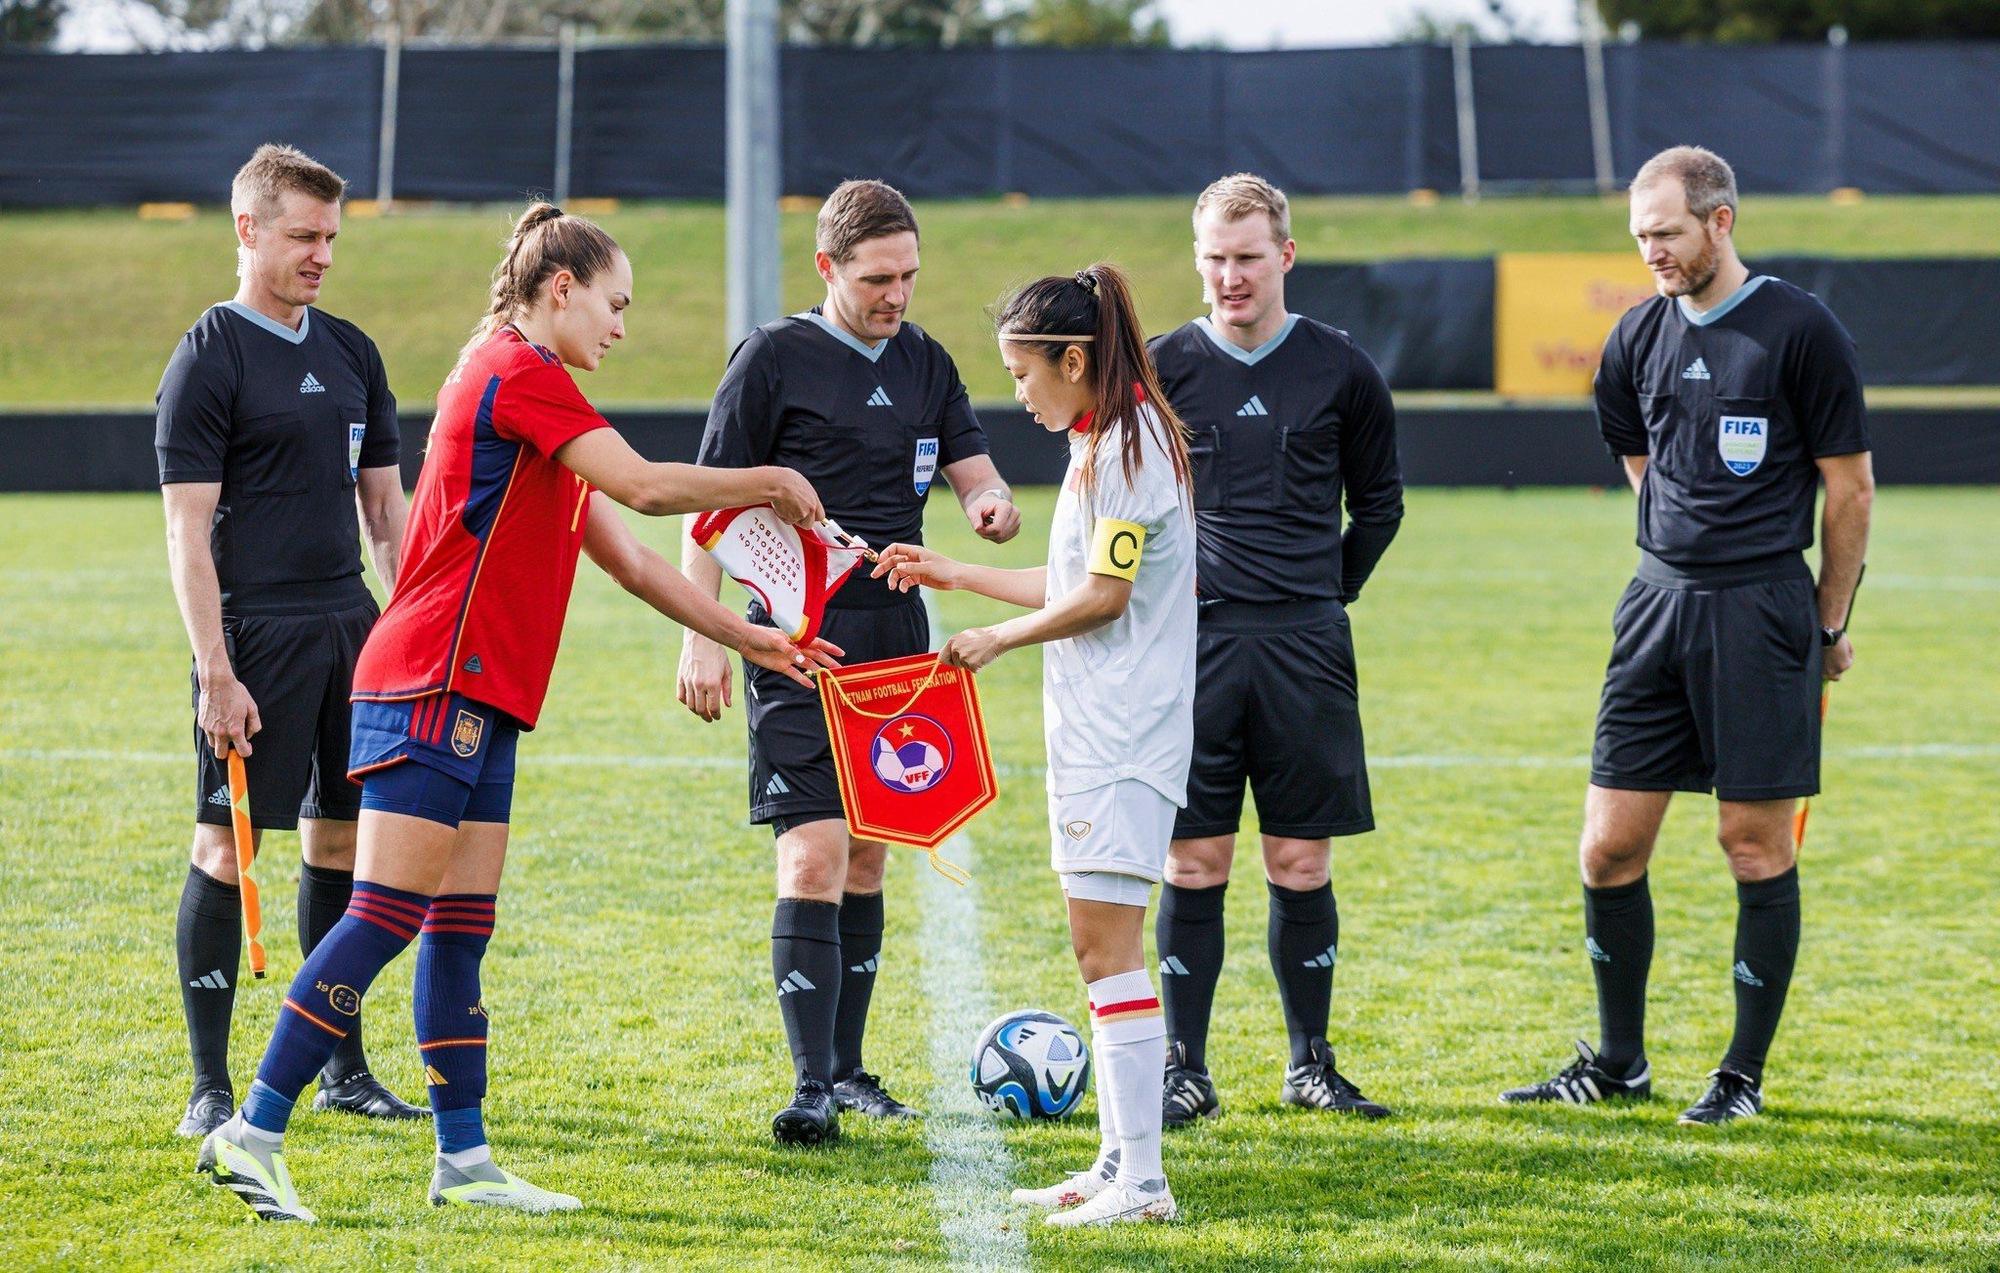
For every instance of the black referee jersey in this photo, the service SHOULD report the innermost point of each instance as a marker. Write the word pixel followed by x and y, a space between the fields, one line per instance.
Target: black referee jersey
pixel 284 420
pixel 1731 408
pixel 869 427
pixel 1280 434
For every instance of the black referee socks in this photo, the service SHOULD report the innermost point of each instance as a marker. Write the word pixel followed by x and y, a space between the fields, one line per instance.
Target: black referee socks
pixel 1767 945
pixel 1188 933
pixel 323 897
pixel 805 960
pixel 1304 938
pixel 208 946
pixel 860 958
pixel 1618 937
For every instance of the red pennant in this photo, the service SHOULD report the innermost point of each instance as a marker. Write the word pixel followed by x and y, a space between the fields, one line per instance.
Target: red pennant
pixel 791 570
pixel 909 744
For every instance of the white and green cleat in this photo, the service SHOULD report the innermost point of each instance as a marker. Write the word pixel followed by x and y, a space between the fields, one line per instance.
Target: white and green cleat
pixel 486 1185
pixel 234 1159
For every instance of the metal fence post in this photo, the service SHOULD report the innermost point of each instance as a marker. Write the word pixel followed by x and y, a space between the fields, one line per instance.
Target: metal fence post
pixel 385 150
pixel 756 293
pixel 1592 26
pixel 565 106
pixel 1833 82
pixel 1468 113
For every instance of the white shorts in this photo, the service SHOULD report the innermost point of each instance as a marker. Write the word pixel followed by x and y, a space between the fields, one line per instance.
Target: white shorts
pixel 1110 843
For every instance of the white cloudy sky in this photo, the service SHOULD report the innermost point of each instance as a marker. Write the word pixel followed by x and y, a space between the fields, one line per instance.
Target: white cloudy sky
pixel 108 25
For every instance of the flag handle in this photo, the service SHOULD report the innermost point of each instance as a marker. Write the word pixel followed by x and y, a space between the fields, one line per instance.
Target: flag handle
pixel 1825 695
pixel 246 853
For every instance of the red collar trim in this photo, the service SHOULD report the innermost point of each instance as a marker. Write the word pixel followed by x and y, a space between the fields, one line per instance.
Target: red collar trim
pixel 1083 423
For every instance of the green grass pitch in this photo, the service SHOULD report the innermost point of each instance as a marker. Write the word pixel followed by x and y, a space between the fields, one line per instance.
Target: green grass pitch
pixel 637 1053
pixel 417 282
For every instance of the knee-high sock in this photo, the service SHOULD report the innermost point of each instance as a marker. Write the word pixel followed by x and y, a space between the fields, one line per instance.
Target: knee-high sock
pixel 326 996
pixel 1131 1040
pixel 208 946
pixel 805 961
pixel 323 897
pixel 1618 937
pixel 860 957
pixel 1767 945
pixel 1188 932
pixel 1304 941
pixel 450 1016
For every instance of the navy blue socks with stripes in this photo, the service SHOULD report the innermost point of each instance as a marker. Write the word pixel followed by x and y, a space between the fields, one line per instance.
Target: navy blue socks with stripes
pixel 451 1019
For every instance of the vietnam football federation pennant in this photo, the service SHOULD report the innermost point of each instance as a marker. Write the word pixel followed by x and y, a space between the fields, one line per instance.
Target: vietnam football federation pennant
pixel 246 853
pixel 791 570
pixel 909 745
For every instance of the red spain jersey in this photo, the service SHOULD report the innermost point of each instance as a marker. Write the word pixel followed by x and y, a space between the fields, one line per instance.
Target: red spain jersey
pixel 494 533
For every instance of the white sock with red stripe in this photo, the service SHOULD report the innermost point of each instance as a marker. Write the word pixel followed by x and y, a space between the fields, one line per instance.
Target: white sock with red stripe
pixel 1131 1040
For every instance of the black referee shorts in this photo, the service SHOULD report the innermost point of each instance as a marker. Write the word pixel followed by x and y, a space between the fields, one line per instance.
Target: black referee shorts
pixel 792 780
pixel 1275 701
pixel 1714 684
pixel 299 669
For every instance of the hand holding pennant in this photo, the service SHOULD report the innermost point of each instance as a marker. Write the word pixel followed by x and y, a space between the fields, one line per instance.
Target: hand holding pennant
pixel 791 570
pixel 910 749
pixel 246 854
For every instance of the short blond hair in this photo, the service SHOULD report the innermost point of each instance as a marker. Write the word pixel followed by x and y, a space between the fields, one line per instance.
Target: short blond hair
pixel 858 211
pixel 274 169
pixel 1245 194
pixel 1706 178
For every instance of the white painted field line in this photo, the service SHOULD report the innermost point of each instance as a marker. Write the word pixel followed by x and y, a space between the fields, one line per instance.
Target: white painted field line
pixel 970 1165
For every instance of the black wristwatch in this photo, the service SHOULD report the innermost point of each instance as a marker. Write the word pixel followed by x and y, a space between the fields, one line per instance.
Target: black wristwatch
pixel 1830 637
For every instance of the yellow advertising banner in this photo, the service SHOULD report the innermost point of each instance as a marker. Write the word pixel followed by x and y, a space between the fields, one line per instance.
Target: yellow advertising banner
pixel 1551 313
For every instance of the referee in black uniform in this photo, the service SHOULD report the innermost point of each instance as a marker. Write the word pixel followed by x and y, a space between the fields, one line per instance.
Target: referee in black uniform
pixel 275 422
pixel 871 410
pixel 1288 416
pixel 1729 399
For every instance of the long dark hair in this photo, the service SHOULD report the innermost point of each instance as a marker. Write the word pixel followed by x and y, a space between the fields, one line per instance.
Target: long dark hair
pixel 546 240
pixel 1096 302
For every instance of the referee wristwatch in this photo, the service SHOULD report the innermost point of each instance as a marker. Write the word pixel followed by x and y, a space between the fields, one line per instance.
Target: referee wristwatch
pixel 1830 637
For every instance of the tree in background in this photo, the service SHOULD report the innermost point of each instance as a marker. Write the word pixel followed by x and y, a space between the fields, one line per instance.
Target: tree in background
pixel 1758 21
pixel 29 24
pixel 1084 23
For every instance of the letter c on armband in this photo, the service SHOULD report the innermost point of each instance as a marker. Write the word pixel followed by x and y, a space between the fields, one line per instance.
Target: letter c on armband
pixel 1116 547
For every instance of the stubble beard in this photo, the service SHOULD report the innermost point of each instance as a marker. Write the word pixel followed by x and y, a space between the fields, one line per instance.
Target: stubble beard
pixel 1697 274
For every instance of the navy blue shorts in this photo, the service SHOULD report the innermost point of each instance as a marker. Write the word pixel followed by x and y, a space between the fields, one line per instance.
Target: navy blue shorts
pixel 445 758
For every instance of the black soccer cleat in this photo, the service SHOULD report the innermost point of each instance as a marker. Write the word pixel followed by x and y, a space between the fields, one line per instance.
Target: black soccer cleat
pixel 1585 1082
pixel 362 1093
pixel 812 1118
pixel 1730 1096
pixel 1189 1093
pixel 207 1110
pixel 862 1092
pixel 1317 1085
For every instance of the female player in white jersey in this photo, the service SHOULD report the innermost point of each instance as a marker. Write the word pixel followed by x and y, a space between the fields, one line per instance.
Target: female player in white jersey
pixel 1116 607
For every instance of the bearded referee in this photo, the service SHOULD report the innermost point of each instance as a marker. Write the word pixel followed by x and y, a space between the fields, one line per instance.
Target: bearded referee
pixel 275 423
pixel 871 410
pixel 1289 418
pixel 1729 399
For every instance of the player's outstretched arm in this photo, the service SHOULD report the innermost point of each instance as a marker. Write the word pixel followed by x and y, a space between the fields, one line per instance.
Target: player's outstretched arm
pixel 908 565
pixel 607 461
pixel 648 576
pixel 1098 600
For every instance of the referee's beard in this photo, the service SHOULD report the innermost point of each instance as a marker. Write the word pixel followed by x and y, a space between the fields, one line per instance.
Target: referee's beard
pixel 1696 275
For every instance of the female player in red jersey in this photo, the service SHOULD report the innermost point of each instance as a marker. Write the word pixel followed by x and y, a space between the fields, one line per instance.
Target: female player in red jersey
pixel 519 477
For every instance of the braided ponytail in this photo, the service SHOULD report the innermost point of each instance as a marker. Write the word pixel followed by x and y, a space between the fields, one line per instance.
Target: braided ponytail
pixel 546 240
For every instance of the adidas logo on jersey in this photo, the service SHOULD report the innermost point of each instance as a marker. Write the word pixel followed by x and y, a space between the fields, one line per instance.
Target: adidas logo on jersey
pixel 793 983
pixel 1253 407
pixel 1697 370
pixel 777 787
pixel 1172 966
pixel 1323 959
pixel 212 980
pixel 1595 951
pixel 473 665
pixel 880 398
pixel 219 796
pixel 1743 974
pixel 310 385
pixel 874 964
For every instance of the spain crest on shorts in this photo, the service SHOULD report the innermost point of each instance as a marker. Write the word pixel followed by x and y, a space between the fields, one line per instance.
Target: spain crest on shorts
pixel 465 733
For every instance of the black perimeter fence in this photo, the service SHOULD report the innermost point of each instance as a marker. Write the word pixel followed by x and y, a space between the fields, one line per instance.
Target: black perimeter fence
pixel 480 124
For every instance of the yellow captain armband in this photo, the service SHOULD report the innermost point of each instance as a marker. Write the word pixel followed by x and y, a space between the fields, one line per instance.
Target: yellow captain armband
pixel 1116 547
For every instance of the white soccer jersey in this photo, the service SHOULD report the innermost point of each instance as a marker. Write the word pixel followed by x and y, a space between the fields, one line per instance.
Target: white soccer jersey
pixel 1118 703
